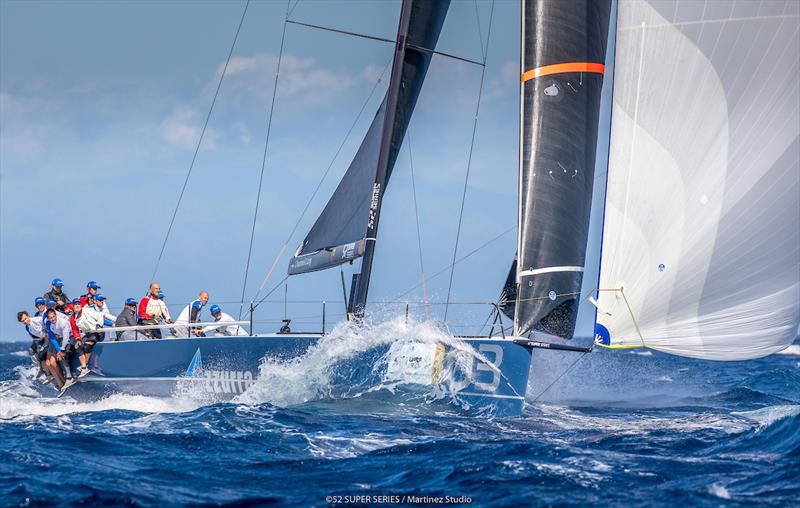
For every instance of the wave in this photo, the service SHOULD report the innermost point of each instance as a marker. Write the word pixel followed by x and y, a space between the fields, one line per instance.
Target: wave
pixel 20 400
pixel 355 362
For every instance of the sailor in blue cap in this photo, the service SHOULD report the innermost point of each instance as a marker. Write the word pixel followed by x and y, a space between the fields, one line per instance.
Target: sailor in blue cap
pixel 221 317
pixel 39 303
pixel 191 314
pixel 57 294
pixel 128 317
pixel 100 305
pixel 91 289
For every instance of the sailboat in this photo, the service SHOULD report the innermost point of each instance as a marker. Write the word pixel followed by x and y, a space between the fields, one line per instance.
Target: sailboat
pixel 694 187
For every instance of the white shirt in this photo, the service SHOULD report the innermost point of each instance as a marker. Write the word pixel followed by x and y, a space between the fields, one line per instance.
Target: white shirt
pixel 36 328
pixel 102 309
pixel 183 319
pixel 227 330
pixel 62 328
pixel 90 320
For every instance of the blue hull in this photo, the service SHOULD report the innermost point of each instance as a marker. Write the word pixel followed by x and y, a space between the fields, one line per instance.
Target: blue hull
pixel 493 376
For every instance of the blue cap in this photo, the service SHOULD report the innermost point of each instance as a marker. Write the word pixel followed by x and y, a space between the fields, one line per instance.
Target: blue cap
pixel 100 297
pixel 50 303
pixel 39 300
pixel 161 295
pixel 131 301
pixel 92 284
pixel 215 309
pixel 57 283
pixel 76 300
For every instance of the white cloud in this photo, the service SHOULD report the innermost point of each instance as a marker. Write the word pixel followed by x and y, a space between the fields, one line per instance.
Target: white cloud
pixel 182 129
pixel 251 78
pixel 25 124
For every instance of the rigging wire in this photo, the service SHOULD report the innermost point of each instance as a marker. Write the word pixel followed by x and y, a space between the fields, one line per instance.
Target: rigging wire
pixel 416 216
pixel 199 142
pixel 469 159
pixel 480 32
pixel 264 157
pixel 459 260
pixel 561 375
pixel 319 184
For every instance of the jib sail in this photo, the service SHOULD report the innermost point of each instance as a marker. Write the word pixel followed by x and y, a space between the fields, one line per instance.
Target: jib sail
pixel 563 55
pixel 701 244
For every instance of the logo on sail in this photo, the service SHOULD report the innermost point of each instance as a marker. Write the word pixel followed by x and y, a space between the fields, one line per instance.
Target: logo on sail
pixel 195 369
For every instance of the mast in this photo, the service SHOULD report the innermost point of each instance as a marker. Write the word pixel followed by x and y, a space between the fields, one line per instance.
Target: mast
pixel 361 281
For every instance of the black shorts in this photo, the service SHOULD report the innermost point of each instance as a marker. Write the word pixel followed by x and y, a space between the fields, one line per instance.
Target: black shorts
pixel 41 352
pixel 85 346
pixel 50 348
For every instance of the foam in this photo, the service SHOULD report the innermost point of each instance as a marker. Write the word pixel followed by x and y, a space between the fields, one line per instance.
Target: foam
pixel 319 374
pixel 21 401
pixel 766 416
pixel 791 350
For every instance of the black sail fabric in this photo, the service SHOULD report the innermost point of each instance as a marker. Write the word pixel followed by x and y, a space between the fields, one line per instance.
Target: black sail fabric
pixel 563 51
pixel 340 233
pixel 508 297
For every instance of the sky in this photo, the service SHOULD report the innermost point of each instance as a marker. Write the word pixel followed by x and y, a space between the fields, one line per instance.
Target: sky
pixel 101 107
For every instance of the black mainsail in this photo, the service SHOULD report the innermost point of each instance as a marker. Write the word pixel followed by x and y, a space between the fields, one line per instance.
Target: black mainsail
pixel 348 225
pixel 562 56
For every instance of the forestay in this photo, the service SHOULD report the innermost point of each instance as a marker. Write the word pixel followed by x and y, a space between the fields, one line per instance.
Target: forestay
pixel 701 247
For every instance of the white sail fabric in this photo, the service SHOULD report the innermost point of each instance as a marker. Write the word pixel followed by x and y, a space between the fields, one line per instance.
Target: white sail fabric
pixel 701 245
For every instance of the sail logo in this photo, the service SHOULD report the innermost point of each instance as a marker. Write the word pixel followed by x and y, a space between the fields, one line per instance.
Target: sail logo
pixel 349 250
pixel 301 262
pixel 373 205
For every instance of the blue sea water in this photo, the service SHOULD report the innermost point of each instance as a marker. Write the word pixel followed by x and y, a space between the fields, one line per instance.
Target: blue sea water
pixel 629 428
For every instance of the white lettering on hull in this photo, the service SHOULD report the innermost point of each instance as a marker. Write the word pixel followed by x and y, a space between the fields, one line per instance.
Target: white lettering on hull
pixel 227 381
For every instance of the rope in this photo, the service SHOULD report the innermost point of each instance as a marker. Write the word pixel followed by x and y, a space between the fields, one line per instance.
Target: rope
pixel 416 216
pixel 319 184
pixel 264 157
pixel 469 159
pixel 199 142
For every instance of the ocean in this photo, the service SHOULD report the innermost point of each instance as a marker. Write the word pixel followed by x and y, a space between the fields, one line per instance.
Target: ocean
pixel 620 428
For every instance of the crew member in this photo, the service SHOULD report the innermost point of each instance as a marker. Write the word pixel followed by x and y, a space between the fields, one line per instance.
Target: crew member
pixel 85 322
pixel 39 303
pixel 153 311
pixel 128 318
pixel 221 317
pixel 91 289
pixel 38 349
pixel 191 314
pixel 59 333
pixel 57 294
pixel 102 308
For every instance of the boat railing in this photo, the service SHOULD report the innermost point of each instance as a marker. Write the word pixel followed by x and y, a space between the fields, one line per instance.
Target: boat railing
pixel 464 318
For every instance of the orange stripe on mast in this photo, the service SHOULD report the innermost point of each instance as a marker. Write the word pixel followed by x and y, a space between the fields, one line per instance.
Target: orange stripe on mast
pixel 562 68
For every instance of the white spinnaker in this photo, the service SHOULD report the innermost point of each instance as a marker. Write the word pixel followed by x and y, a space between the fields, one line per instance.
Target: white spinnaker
pixel 701 244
